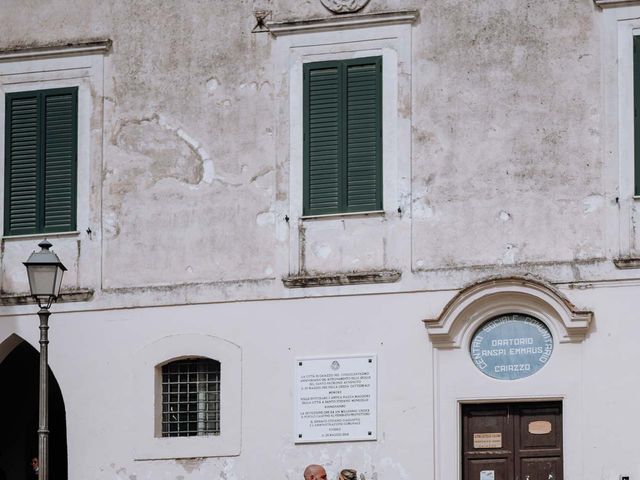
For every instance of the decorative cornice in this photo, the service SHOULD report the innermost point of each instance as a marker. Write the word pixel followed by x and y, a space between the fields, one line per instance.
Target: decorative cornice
pixel 81 295
pixel 615 3
pixel 342 22
pixel 489 298
pixel 338 279
pixel 29 52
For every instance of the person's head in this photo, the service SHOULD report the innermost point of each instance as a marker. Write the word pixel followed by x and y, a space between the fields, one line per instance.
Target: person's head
pixel 315 472
pixel 348 474
pixel 35 465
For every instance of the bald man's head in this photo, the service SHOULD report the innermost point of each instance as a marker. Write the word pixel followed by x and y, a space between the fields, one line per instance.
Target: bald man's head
pixel 315 472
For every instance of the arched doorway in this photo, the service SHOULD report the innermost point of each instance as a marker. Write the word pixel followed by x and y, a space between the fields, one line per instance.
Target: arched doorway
pixel 19 381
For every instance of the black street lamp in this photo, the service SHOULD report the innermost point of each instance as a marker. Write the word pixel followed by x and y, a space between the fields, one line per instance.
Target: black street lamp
pixel 45 271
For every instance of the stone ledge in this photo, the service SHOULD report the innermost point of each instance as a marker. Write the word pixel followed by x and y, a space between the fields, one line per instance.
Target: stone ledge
pixel 342 22
pixel 28 52
pixel 81 295
pixel 337 279
pixel 626 263
pixel 615 3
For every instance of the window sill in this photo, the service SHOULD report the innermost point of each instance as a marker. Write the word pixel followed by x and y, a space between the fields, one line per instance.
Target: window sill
pixel 626 263
pixel 334 216
pixel 339 279
pixel 29 236
pixel 615 3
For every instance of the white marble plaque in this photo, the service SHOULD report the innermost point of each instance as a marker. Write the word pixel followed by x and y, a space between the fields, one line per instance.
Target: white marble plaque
pixel 335 399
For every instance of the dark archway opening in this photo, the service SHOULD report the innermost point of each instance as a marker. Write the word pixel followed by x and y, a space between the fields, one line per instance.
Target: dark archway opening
pixel 19 383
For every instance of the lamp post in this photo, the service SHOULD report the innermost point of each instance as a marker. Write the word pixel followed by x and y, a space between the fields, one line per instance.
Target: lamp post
pixel 45 271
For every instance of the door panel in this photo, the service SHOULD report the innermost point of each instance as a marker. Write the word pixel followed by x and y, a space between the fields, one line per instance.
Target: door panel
pixel 543 468
pixel 534 424
pixel 488 470
pixel 520 441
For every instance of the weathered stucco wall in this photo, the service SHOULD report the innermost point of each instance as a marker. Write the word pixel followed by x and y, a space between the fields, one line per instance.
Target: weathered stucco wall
pixel 507 134
pixel 505 122
pixel 193 199
pixel 96 380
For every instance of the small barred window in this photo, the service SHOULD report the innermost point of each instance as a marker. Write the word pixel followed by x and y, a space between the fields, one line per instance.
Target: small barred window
pixel 191 398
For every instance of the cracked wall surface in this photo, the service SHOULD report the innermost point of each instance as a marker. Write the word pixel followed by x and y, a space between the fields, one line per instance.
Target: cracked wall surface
pixel 191 224
pixel 503 102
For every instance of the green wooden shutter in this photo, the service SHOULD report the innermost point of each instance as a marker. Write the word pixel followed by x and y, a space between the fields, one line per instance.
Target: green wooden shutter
pixel 59 184
pixel 21 165
pixel 323 138
pixel 363 135
pixel 41 161
pixel 636 109
pixel 343 136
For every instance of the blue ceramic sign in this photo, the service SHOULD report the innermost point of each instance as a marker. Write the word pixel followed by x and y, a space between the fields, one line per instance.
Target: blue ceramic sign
pixel 511 346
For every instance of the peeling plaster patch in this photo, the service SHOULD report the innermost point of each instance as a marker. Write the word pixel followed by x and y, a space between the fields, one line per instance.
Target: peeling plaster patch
pixel 422 209
pixel 110 225
pixel 212 84
pixel 190 464
pixel 227 472
pixel 251 86
pixel 420 263
pixel 396 467
pixel 321 250
pixel 592 203
pixel 265 218
pixel 176 155
pixel 189 269
pixel 268 271
pixel 504 216
pixel 261 173
pixel 509 257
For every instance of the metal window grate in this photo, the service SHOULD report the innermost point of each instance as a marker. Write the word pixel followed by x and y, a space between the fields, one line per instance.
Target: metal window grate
pixel 191 398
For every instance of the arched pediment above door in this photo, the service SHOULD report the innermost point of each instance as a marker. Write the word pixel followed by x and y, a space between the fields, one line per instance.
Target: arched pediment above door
pixel 481 301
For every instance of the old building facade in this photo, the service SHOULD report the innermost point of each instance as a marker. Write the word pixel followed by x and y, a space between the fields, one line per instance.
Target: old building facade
pixel 238 186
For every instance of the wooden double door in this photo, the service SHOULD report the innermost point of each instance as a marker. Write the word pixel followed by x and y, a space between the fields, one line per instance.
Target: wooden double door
pixel 512 441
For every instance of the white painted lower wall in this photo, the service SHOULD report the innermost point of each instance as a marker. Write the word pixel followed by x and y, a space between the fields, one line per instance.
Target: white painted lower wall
pixel 93 355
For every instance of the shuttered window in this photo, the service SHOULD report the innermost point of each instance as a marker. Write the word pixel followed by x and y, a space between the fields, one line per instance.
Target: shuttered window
pixel 343 136
pixel 40 161
pixel 636 109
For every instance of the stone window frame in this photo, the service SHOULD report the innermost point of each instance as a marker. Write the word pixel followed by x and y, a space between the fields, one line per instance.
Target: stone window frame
pixel 620 22
pixel 82 65
pixel 146 413
pixel 387 35
pixel 78 65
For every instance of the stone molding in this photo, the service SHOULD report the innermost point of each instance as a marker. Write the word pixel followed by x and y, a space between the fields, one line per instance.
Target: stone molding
pixel 626 263
pixel 80 295
pixel 340 279
pixel 484 300
pixel 342 22
pixel 54 50
pixel 615 3
pixel 146 412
